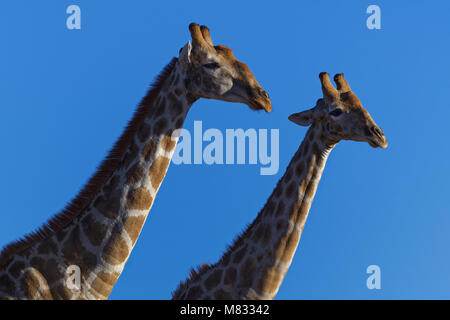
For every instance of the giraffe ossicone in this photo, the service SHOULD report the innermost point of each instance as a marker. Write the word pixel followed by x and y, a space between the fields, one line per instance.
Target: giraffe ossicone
pixel 254 266
pixel 97 231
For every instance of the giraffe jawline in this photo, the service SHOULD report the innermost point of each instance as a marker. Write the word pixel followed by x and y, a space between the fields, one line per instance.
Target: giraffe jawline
pixel 255 105
pixel 376 144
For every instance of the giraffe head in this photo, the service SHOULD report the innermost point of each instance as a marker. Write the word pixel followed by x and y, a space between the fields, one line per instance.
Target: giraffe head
pixel 214 73
pixel 341 115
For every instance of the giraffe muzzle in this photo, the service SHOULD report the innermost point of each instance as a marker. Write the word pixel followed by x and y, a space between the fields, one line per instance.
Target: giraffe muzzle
pixel 377 138
pixel 260 100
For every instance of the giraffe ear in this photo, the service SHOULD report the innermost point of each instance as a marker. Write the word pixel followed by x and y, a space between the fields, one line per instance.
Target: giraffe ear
pixel 185 53
pixel 304 118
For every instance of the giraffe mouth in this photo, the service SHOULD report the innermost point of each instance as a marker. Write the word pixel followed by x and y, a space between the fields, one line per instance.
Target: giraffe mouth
pixel 258 105
pixel 254 97
pixel 378 143
pixel 376 137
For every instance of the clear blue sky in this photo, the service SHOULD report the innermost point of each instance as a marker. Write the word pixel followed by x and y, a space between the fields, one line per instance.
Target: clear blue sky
pixel 65 97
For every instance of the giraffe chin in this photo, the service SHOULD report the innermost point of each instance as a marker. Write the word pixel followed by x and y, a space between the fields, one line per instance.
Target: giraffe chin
pixel 375 144
pixel 256 105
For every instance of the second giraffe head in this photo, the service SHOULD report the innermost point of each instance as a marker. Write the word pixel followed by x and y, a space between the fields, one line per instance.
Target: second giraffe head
pixel 341 115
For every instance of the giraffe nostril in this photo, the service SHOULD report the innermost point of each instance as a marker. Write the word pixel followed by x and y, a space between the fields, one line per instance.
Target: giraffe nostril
pixel 377 131
pixel 264 93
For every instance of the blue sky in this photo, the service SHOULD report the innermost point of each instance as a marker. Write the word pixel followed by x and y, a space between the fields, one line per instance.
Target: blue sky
pixel 65 97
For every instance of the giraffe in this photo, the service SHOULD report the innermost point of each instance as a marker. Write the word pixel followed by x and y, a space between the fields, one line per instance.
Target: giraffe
pixel 97 231
pixel 254 266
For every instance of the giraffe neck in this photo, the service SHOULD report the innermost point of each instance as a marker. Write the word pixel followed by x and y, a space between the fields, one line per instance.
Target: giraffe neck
pixel 255 265
pixel 99 239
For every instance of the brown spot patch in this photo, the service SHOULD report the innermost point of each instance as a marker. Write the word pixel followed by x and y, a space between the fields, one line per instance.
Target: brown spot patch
pixel 299 169
pixel 281 224
pixel 7 285
pixel 176 108
pixel 94 230
pixel 262 233
pixel 197 79
pixel 158 171
pixel 149 149
pixel 222 295
pixel 160 109
pixel 60 291
pixel 237 258
pixel 104 283
pixel 116 249
pixel 139 199
pixel 267 235
pixel 177 79
pixel 291 246
pixel 130 155
pixel 160 125
pixel 16 268
pixel 134 174
pixel 257 233
pixel 47 246
pixel 278 189
pixel 270 206
pixel 290 190
pixel 214 279
pixel 143 132
pixel 303 186
pixel 288 175
pixel 167 143
pixel 305 147
pixel 48 268
pixel 31 286
pixel 247 273
pixel 133 226
pixel 280 208
pixel 61 235
pixel 310 190
pixel 109 204
pixel 230 276
pixel 112 184
pixel 194 293
pixel 74 252
pixel 270 281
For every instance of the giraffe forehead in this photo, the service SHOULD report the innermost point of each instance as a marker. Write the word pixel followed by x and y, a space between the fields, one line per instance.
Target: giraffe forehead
pixel 226 54
pixel 237 68
pixel 356 108
pixel 351 100
pixel 224 51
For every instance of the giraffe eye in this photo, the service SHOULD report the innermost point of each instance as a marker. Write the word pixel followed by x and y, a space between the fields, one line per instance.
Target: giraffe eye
pixel 211 65
pixel 336 112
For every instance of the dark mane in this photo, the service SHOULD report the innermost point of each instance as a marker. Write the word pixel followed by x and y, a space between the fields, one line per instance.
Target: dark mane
pixel 94 184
